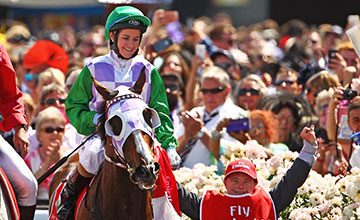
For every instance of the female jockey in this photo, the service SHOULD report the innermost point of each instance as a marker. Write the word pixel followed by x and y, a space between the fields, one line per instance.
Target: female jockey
pixel 13 113
pixel 121 66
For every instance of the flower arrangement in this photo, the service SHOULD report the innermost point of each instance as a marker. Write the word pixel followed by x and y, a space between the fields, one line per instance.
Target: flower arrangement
pixel 320 197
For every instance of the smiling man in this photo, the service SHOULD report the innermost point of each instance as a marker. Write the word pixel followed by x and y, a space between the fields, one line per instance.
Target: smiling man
pixel 195 132
pixel 245 198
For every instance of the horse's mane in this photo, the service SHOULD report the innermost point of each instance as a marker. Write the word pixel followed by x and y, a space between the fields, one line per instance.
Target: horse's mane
pixel 101 123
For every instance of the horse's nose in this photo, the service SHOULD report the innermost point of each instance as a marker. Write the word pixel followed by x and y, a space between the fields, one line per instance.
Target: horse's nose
pixel 148 173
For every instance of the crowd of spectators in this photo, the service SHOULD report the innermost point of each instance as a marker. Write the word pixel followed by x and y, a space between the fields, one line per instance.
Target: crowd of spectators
pixel 279 76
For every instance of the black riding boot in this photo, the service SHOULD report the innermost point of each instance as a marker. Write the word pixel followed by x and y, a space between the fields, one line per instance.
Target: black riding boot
pixel 27 212
pixel 67 201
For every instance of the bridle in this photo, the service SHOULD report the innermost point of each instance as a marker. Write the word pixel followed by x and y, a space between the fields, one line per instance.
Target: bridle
pixel 122 162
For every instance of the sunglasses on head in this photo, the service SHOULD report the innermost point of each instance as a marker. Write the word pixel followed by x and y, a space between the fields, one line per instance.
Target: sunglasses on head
pixel 280 82
pixel 251 91
pixel 213 90
pixel 53 101
pixel 172 87
pixel 50 130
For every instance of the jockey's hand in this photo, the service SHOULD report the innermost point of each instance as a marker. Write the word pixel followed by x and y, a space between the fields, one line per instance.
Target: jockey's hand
pixel 21 141
pixel 174 157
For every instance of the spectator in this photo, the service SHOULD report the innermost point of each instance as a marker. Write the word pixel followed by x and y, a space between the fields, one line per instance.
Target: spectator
pixel 321 106
pixel 50 130
pixel 249 92
pixel 346 64
pixel 173 62
pixel 287 120
pixel 194 135
pixel 286 80
pixel 318 82
pixel 262 129
pixel 243 189
pixel 174 88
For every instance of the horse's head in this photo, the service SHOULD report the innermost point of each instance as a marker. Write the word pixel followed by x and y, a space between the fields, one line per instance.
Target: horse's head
pixel 129 127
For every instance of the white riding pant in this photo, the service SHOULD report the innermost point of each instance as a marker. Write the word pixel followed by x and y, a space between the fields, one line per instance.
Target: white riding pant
pixel 91 155
pixel 24 183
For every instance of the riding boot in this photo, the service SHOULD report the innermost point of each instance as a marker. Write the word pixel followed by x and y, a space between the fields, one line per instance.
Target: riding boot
pixel 27 212
pixel 67 201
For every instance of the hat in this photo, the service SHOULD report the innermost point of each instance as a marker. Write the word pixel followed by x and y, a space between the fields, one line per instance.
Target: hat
pixel 243 166
pixel 126 17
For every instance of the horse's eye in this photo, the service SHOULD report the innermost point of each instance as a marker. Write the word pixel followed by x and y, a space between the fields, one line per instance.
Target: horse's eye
pixel 148 117
pixel 116 125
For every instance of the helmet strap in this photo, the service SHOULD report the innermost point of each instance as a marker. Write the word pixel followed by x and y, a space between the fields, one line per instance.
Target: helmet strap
pixel 113 46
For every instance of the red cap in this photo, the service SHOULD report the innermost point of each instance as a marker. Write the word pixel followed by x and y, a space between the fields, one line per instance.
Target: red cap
pixel 243 166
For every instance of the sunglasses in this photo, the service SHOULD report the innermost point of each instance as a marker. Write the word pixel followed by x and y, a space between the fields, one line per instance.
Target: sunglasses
pixel 225 65
pixel 53 101
pixel 30 77
pixel 50 130
pixel 251 91
pixel 212 91
pixel 172 87
pixel 280 82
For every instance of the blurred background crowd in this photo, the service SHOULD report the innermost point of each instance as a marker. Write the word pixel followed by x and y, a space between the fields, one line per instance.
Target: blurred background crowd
pixel 276 77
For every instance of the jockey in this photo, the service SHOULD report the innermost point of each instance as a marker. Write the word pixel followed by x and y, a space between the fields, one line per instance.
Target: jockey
pixel 12 110
pixel 121 66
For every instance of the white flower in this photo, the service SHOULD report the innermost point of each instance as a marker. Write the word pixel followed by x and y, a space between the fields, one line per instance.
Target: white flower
pixel 316 198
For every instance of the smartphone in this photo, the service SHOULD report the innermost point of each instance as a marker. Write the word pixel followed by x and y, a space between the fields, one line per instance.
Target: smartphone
pixel 331 53
pixel 200 50
pixel 175 32
pixel 353 20
pixel 236 125
pixel 162 44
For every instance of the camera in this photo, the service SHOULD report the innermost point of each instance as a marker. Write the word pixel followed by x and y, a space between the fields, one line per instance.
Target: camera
pixel 349 94
pixel 237 125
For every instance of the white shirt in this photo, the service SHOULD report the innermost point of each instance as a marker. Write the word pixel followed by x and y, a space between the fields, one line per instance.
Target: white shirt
pixel 199 152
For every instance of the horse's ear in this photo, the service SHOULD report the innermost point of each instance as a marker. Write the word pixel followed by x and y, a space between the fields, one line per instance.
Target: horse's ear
pixel 105 92
pixel 140 82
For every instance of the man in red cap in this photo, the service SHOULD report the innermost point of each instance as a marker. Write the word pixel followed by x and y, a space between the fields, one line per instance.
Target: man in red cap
pixel 245 198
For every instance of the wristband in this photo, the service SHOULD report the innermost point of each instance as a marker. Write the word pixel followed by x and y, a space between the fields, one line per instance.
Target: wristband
pixel 216 135
pixel 200 134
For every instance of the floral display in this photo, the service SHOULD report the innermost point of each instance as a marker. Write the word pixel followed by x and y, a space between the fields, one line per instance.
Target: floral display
pixel 320 197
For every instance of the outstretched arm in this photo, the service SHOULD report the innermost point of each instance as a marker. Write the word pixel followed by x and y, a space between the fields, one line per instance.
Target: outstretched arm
pixel 285 191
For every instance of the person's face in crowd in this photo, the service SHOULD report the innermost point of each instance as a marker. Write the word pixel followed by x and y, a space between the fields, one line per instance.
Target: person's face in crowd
pixel 314 41
pixel 71 79
pixel 354 120
pixel 172 65
pixel 89 44
pixel 214 94
pixel 239 184
pixel 286 81
pixel 227 64
pixel 44 82
pixel 173 93
pixel 248 95
pixel 128 41
pixel 311 94
pixel 226 41
pixel 285 122
pixel 330 41
pixel 55 99
pixel 351 58
pixel 257 130
pixel 50 136
pixel 323 105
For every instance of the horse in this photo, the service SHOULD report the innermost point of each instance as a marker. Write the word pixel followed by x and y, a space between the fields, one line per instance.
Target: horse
pixel 123 187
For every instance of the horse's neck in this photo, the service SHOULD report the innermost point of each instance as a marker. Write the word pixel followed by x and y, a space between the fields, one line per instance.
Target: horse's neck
pixel 121 197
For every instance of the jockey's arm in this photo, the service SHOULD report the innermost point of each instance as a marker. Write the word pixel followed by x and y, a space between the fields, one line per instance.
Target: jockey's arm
pixel 77 103
pixel 158 101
